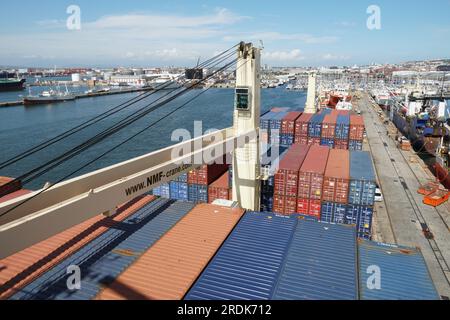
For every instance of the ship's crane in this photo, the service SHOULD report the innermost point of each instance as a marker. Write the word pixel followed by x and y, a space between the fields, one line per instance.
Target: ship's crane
pixel 39 215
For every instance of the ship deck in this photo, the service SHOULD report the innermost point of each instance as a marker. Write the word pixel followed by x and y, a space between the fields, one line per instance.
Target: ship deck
pixel 402 217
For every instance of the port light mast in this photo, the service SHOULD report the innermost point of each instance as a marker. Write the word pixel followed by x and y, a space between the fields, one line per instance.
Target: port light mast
pixel 246 161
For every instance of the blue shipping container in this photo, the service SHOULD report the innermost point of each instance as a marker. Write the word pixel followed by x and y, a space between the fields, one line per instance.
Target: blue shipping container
pixel 355 145
pixel 264 121
pixel 315 125
pixel 249 262
pixel 342 127
pixel 361 216
pixel 333 212
pixel 320 264
pixel 362 179
pixel 286 139
pixel 182 178
pixel 275 121
pixel 328 142
pixel 198 193
pixel 163 190
pixel 178 190
pixel 403 273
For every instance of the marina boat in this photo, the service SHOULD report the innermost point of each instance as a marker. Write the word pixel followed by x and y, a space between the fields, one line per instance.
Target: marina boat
pixel 47 97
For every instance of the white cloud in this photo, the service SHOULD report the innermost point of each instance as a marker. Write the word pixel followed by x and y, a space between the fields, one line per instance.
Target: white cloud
pixel 292 55
pixel 346 24
pixel 277 36
pixel 329 56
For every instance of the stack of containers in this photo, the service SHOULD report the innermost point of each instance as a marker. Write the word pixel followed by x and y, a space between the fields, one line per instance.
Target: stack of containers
pixel 163 190
pixel 199 179
pixel 361 193
pixel 311 180
pixel 356 134
pixel 286 180
pixel 288 128
pixel 179 188
pixel 315 128
pixel 335 187
pixel 267 185
pixel 301 128
pixel 220 189
pixel 264 125
pixel 329 130
pixel 275 127
pixel 342 131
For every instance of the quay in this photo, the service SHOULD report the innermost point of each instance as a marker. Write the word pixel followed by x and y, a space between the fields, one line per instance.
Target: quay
pixel 402 217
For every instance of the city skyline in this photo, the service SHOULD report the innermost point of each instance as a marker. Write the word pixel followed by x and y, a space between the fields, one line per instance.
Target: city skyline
pixel 177 33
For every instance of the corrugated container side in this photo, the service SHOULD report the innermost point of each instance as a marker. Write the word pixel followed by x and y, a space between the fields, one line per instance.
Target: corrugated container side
pixel 404 274
pixel 302 125
pixel 361 216
pixel 249 262
pixel 314 141
pixel 341 144
pixel 362 179
pixel 315 125
pixel 337 177
pixel 329 126
pixel 20 268
pixel 303 206
pixel 342 127
pixel 198 193
pixel 275 121
pixel 320 264
pixel 278 203
pixel 265 120
pixel 102 260
pixel 327 142
pixel 301 139
pixel 288 122
pixel 219 189
pixel 169 268
pixel 355 145
pixel 178 190
pixel 356 127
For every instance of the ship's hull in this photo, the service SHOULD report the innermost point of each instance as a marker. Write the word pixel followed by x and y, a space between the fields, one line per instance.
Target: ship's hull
pixel 442 174
pixel 12 85
pixel 40 100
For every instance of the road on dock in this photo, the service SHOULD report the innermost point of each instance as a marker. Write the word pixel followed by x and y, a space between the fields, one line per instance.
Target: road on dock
pixel 403 217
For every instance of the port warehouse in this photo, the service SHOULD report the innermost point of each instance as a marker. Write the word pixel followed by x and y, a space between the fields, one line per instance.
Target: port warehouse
pixel 156 248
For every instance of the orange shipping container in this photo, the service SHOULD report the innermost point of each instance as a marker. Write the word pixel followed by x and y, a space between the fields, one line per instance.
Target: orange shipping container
pixel 168 269
pixel 337 177
pixel 356 127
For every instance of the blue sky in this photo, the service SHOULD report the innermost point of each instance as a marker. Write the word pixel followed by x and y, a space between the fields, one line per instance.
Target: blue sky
pixel 294 33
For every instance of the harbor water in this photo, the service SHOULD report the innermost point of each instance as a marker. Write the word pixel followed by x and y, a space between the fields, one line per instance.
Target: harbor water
pixel 24 127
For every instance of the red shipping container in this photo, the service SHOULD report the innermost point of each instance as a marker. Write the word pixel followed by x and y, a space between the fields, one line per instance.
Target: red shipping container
pixel 286 178
pixel 288 122
pixel 356 127
pixel 337 177
pixel 312 172
pixel 290 205
pixel 206 174
pixel 329 126
pixel 301 139
pixel 278 204
pixel 279 109
pixel 301 124
pixel 219 189
pixel 312 141
pixel 302 206
pixel 341 144
pixel 314 208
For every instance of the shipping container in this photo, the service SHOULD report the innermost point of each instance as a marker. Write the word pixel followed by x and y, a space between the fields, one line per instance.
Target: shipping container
pixel 264 121
pixel 219 189
pixel 303 206
pixel 312 172
pixel 169 268
pixel 361 216
pixel 333 212
pixel 206 174
pixel 301 139
pixel 327 142
pixel 342 127
pixel 107 256
pixel 404 273
pixel 337 177
pixel 362 179
pixel 178 190
pixel 275 121
pixel 329 126
pixel 314 141
pixel 288 122
pixel 286 139
pixel 315 125
pixel 341 144
pixel 302 125
pixel 248 264
pixel 356 127
pixel 286 178
pixel 182 178
pixel 19 269
pixel 197 193
pixel 355 145
pixel 163 190
pixel 321 264
pixel 278 204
